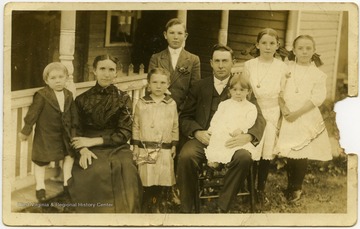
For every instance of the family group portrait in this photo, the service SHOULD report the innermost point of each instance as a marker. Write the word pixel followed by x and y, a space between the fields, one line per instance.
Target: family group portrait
pixel 193 114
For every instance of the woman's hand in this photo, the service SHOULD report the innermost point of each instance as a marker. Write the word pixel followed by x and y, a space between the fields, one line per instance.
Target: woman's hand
pixel 22 136
pixel 238 140
pixel 81 142
pixel 86 158
pixel 173 152
pixel 292 116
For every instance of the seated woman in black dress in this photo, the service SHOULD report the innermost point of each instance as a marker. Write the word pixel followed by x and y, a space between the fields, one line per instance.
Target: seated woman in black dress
pixel 104 176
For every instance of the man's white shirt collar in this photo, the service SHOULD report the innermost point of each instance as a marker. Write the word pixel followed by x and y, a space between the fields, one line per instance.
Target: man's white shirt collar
pixel 174 54
pixel 174 51
pixel 220 84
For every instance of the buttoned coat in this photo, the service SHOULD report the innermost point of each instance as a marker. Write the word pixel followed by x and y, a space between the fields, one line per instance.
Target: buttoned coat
pixel 185 74
pixel 54 128
pixel 197 110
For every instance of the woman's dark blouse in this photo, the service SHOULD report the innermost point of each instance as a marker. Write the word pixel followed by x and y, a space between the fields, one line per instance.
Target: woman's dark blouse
pixel 106 113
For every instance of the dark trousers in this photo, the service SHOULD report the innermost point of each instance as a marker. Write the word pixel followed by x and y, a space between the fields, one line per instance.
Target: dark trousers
pixel 182 141
pixel 261 171
pixel 296 170
pixel 191 157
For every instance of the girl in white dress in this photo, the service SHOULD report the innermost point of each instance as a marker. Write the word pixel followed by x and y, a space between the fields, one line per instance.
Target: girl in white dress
pixel 303 134
pixel 265 73
pixel 233 115
pixel 155 136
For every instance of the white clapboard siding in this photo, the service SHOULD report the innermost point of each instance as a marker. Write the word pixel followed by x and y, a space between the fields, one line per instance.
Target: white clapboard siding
pixel 325 27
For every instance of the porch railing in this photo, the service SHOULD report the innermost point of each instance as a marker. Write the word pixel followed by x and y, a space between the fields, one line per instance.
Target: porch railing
pixel 21 174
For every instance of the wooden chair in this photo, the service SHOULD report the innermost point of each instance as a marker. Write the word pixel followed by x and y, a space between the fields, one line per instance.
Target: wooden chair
pixel 212 180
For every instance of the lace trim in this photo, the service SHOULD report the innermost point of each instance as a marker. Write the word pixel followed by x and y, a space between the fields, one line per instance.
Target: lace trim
pixel 320 128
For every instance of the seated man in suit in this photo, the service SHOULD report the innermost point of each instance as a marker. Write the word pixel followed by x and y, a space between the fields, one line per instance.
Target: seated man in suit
pixel 200 106
pixel 184 67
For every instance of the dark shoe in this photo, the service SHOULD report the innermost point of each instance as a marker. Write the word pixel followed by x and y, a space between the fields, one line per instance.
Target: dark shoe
pixel 295 196
pixel 41 195
pixel 286 192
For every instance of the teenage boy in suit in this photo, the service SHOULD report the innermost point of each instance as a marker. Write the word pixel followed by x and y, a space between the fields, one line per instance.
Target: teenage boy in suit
pixel 184 67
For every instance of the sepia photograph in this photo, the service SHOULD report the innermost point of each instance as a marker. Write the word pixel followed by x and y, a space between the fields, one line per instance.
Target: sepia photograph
pixel 178 114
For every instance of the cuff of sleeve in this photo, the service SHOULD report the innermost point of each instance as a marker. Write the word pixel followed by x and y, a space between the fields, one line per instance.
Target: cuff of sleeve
pixel 26 130
pixel 135 142
pixel 254 141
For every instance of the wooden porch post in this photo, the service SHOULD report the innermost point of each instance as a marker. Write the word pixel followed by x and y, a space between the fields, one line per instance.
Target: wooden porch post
pixel 335 75
pixel 67 45
pixel 182 15
pixel 224 25
pixel 292 29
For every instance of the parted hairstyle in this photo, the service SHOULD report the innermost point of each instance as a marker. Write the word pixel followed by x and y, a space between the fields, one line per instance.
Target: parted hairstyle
pixel 267 31
pixel 316 57
pixel 104 57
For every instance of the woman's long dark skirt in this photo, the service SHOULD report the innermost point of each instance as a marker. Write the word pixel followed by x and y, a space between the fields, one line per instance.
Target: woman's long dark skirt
pixel 111 184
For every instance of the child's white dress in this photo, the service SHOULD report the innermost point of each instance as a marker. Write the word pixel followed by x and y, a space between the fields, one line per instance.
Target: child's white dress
pixel 265 81
pixel 156 123
pixel 306 137
pixel 230 116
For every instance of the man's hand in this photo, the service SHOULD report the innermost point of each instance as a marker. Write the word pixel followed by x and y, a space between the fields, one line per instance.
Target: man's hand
pixel 236 132
pixel 86 157
pixel 203 136
pixel 238 140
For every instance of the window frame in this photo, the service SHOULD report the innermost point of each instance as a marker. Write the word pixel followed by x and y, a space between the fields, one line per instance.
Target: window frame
pixel 109 14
